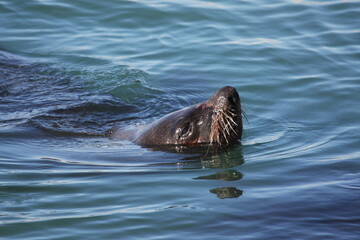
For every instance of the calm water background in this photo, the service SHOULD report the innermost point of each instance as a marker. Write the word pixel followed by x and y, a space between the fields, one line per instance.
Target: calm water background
pixel 70 70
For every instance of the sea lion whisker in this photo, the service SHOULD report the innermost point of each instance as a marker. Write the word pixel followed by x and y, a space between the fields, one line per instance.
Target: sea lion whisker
pixel 229 118
pixel 230 126
pixel 245 115
pixel 227 141
pixel 232 120
pixel 232 114
pixel 212 138
pixel 227 127
pixel 223 122
pixel 226 115
pixel 233 130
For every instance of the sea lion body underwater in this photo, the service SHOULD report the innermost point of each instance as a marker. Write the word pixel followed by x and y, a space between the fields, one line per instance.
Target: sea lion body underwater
pixel 217 121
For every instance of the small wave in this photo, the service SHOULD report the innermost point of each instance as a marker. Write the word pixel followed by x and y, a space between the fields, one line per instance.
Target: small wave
pixel 78 101
pixel 255 41
pixel 265 130
pixel 87 118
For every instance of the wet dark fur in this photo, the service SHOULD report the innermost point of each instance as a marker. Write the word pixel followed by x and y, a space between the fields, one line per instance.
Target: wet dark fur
pixel 217 121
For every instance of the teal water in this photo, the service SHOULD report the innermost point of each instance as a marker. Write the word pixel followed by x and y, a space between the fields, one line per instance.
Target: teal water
pixel 70 70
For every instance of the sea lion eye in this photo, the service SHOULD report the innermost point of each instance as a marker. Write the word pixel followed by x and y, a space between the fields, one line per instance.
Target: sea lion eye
pixel 185 130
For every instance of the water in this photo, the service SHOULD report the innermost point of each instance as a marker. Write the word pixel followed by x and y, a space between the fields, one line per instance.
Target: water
pixel 70 70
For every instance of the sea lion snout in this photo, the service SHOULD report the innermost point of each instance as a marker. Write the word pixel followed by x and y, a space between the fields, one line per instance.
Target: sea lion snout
pixel 226 126
pixel 225 98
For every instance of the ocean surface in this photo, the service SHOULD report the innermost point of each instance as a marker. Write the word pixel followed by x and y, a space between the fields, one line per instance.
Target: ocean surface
pixel 71 70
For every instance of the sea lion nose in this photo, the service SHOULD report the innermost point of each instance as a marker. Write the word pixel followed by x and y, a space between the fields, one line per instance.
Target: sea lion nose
pixel 231 96
pixel 231 100
pixel 226 97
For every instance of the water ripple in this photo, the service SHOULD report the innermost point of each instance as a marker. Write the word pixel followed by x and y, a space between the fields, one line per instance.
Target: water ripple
pixel 71 70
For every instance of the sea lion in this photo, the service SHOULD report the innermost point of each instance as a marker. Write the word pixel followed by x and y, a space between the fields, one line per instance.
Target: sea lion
pixel 217 121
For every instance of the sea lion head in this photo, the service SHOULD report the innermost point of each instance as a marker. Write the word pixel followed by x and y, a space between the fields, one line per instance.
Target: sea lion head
pixel 217 121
